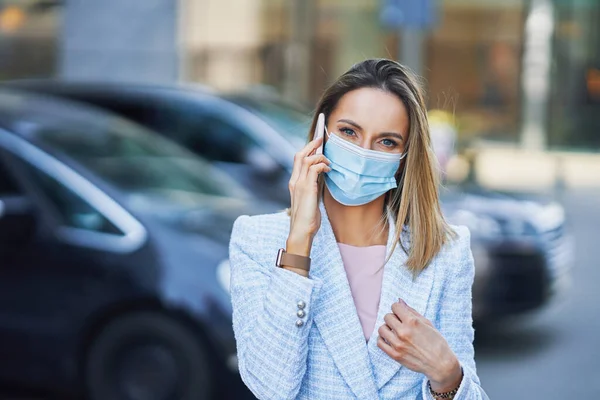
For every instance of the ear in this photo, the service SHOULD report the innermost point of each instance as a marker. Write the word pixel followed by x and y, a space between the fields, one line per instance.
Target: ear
pixel 400 173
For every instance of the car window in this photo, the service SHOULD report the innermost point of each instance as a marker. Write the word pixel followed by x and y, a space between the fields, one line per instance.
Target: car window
pixel 208 135
pixel 73 211
pixel 293 124
pixel 187 123
pixel 136 161
pixel 143 111
pixel 223 142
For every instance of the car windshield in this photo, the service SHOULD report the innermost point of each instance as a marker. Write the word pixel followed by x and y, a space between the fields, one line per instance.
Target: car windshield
pixel 290 122
pixel 137 161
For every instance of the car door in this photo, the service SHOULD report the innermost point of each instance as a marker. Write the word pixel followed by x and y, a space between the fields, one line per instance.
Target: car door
pixel 61 261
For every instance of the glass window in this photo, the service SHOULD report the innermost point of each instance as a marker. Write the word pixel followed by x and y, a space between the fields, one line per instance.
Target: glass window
pixel 288 120
pixel 575 101
pixel 29 33
pixel 209 136
pixel 72 210
pixel 474 66
pixel 136 161
pixel 222 141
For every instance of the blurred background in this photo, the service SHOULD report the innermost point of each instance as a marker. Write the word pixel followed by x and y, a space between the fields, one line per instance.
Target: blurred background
pixel 133 133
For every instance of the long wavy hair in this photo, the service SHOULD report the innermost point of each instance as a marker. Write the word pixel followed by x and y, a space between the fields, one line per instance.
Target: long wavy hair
pixel 414 204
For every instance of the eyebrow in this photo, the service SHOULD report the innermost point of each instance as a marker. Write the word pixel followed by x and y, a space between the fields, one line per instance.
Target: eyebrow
pixel 393 134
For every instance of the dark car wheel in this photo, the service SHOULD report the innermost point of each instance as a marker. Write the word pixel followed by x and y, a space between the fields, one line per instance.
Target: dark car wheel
pixel 147 356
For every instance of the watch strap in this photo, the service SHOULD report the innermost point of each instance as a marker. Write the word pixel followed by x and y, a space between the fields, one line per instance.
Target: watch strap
pixel 292 260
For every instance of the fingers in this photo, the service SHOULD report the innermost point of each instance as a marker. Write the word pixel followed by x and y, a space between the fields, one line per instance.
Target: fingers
pixel 418 317
pixel 412 310
pixel 383 345
pixel 403 311
pixel 387 341
pixel 392 321
pixel 311 161
pixel 300 156
pixel 407 315
pixel 315 170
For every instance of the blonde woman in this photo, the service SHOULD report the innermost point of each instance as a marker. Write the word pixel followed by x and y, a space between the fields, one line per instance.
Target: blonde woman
pixel 361 290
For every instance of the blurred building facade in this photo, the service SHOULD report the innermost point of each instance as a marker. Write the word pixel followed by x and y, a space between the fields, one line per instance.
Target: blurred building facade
pixel 28 39
pixel 515 71
pixel 117 40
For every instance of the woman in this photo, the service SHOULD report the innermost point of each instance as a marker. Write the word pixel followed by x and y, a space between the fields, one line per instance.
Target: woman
pixel 369 296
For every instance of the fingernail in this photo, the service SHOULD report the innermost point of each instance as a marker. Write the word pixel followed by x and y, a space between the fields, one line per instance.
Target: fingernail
pixel 401 301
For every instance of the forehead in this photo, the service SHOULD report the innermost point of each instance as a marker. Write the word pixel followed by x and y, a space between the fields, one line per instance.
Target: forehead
pixel 373 109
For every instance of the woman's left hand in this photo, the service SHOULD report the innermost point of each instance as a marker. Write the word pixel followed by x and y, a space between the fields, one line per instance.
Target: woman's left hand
pixel 410 338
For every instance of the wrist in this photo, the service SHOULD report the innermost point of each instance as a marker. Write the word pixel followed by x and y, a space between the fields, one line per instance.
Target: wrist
pixel 299 271
pixel 299 244
pixel 449 378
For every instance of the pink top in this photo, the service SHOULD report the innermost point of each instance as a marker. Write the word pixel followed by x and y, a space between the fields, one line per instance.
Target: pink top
pixel 364 270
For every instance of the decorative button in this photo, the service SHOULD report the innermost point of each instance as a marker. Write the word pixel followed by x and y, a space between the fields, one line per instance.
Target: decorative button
pixel 299 323
pixel 300 313
pixel 301 305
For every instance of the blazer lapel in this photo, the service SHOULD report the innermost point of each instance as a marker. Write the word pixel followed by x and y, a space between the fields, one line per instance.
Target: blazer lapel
pixel 335 314
pixel 397 283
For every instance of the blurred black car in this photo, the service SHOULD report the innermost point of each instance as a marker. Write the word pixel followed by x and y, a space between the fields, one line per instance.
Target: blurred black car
pixel 522 249
pixel 223 132
pixel 113 258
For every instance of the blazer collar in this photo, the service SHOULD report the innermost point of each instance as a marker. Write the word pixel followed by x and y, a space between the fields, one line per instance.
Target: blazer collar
pixel 335 315
pixel 397 282
pixel 364 366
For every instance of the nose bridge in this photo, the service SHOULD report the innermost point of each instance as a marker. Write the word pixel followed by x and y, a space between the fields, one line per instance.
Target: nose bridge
pixel 367 141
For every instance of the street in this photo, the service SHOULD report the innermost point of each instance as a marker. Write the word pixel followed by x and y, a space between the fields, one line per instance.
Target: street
pixel 553 354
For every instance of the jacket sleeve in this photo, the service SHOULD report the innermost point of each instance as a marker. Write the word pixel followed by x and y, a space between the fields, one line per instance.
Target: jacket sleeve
pixel 268 303
pixel 456 320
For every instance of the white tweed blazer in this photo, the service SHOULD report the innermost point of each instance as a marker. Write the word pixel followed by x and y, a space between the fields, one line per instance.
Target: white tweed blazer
pixel 325 356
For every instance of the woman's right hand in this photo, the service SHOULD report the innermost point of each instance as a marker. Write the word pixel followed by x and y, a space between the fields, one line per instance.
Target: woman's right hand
pixel 305 216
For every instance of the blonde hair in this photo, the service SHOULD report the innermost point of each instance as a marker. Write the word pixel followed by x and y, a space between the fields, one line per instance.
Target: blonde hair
pixel 415 202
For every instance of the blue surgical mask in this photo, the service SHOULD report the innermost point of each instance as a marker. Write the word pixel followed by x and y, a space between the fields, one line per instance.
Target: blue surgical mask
pixel 358 176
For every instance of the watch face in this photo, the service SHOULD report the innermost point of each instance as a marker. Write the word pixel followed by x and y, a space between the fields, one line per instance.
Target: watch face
pixel 279 256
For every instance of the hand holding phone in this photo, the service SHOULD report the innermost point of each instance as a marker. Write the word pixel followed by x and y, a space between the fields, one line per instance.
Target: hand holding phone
pixel 305 217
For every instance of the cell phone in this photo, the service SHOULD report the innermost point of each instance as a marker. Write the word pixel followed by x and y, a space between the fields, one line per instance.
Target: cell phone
pixel 320 131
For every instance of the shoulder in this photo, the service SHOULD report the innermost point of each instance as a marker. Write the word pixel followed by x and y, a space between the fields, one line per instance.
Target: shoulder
pixel 455 257
pixel 261 224
pixel 461 242
pixel 258 237
pixel 258 232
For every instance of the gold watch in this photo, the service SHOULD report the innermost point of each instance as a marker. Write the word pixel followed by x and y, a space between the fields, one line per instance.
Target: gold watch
pixel 292 260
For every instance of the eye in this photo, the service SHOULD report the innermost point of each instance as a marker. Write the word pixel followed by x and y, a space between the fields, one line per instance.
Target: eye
pixel 389 143
pixel 348 132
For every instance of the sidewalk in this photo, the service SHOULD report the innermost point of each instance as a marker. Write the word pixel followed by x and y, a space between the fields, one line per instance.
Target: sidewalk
pixel 523 170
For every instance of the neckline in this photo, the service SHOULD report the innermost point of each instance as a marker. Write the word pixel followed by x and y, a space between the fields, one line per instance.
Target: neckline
pixel 361 247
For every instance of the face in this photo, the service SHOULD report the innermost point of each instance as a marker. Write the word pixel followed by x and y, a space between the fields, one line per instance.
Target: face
pixel 371 118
